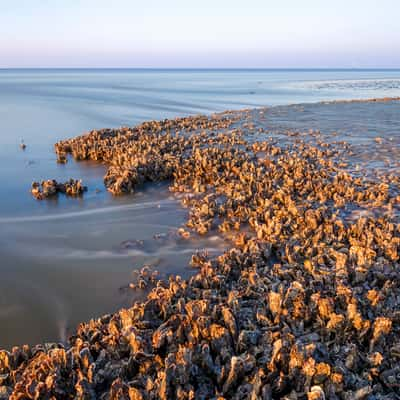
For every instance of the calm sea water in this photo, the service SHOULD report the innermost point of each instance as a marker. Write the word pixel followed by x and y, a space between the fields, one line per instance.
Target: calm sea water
pixel 62 261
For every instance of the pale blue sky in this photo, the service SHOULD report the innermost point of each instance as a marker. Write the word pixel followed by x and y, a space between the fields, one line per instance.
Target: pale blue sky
pixel 201 33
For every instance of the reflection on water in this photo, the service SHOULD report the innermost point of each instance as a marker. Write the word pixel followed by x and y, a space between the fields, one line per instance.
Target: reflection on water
pixel 64 261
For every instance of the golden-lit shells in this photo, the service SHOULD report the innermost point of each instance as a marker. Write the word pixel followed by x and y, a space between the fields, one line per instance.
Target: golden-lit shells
pixel 316 393
pixel 51 188
pixel 62 157
pixel 183 233
pixel 304 303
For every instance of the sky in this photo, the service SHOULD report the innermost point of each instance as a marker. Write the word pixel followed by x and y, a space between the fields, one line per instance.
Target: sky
pixel 200 34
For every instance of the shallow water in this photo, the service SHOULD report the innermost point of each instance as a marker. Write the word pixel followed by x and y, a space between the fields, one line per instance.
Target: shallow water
pixel 62 268
pixel 65 261
pixel 358 124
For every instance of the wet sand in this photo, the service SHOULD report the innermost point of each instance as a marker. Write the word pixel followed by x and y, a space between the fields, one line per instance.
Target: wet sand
pixel 371 150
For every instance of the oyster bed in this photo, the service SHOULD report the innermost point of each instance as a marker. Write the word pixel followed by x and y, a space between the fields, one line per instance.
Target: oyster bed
pixel 305 304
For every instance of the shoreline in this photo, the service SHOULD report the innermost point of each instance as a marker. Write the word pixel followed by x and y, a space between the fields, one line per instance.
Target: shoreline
pixel 258 320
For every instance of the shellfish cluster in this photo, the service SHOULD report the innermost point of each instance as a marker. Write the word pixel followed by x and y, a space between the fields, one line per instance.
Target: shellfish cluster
pixel 51 188
pixel 305 304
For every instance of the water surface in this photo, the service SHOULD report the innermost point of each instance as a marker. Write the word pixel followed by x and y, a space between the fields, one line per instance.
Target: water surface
pixel 67 260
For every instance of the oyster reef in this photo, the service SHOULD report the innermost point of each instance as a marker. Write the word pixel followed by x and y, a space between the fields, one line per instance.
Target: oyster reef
pixel 303 304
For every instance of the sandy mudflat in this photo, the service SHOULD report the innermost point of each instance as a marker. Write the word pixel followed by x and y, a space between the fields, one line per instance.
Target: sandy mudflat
pixel 304 301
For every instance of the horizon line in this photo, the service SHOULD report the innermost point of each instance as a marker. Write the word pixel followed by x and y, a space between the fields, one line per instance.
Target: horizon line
pixel 209 68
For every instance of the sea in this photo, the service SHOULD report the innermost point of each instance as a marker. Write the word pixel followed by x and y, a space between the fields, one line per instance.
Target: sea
pixel 66 260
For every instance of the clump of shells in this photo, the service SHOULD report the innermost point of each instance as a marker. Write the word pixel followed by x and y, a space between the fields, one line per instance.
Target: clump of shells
pixel 51 188
pixel 303 305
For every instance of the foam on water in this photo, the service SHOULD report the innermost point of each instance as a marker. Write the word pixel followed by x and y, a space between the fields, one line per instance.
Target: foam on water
pixel 83 213
pixel 388 86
